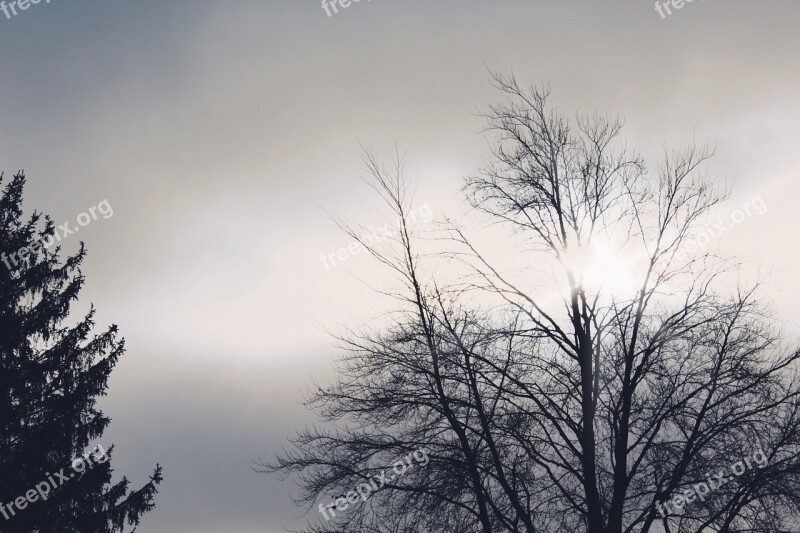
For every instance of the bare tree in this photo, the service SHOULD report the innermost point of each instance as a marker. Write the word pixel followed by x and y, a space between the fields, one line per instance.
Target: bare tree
pixel 591 405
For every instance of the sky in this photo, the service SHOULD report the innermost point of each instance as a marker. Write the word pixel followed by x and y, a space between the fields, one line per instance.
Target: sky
pixel 223 134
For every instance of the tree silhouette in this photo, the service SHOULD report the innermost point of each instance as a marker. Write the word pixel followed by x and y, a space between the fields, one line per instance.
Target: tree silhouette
pixel 51 373
pixel 561 396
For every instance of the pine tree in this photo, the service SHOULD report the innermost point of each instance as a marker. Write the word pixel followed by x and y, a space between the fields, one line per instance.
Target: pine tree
pixel 52 370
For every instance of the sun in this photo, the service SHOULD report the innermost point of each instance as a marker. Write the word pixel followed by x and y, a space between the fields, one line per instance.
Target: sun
pixel 602 268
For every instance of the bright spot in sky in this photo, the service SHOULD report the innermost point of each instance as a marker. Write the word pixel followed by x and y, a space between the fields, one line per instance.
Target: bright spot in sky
pixel 603 268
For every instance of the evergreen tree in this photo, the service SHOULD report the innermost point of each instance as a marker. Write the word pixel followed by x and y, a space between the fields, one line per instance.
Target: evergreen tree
pixel 52 370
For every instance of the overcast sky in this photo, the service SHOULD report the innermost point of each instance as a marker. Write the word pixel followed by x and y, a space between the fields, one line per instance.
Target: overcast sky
pixel 220 132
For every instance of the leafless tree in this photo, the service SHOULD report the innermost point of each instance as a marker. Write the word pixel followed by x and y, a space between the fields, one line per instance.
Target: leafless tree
pixel 586 403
